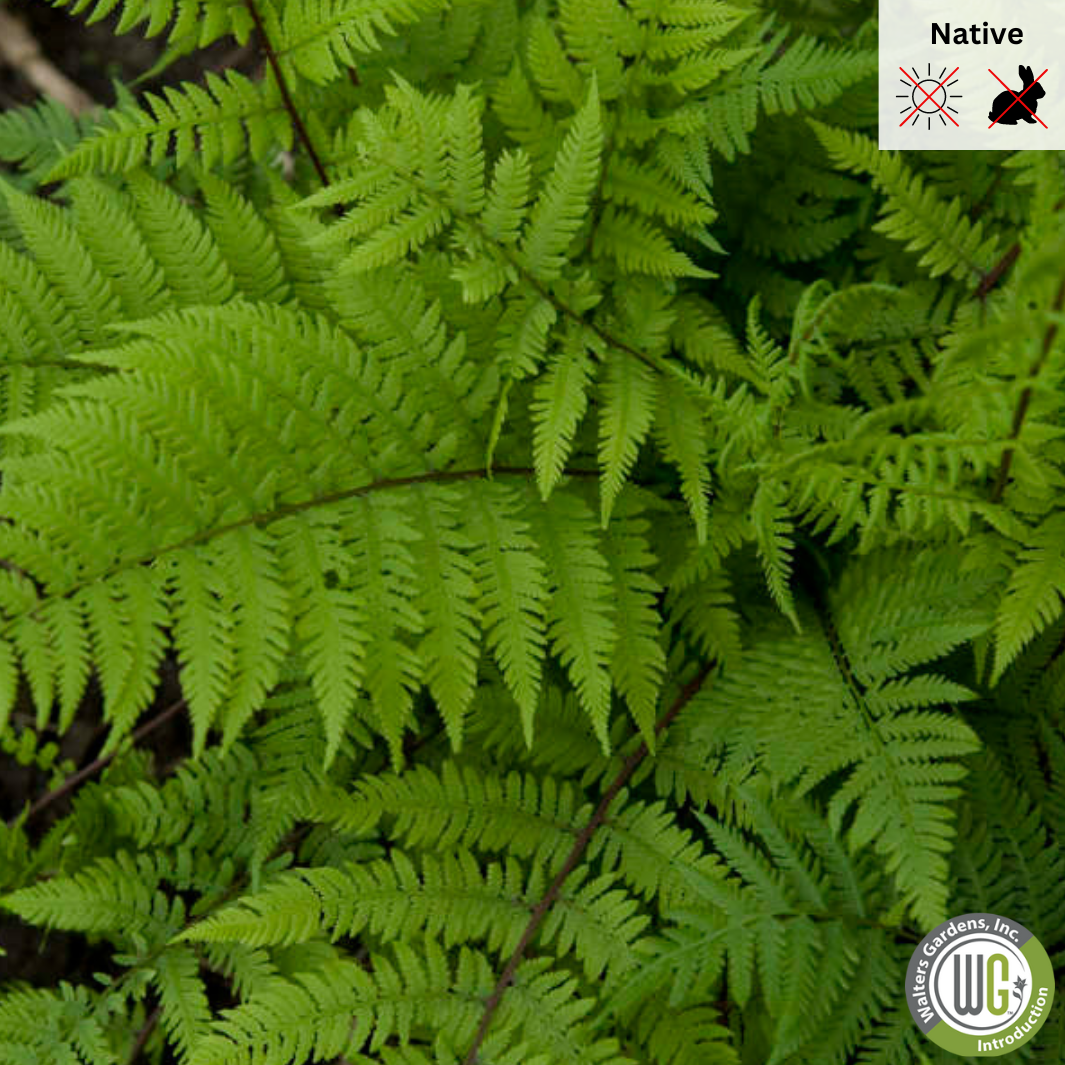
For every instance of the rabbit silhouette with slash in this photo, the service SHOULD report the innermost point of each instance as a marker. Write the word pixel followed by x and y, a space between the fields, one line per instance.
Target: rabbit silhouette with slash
pixel 1004 100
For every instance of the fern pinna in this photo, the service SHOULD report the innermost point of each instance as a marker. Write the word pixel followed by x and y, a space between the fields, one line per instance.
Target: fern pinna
pixel 601 511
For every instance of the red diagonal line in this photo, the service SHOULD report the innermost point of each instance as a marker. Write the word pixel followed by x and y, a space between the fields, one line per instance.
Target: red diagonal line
pixel 1016 98
pixel 928 96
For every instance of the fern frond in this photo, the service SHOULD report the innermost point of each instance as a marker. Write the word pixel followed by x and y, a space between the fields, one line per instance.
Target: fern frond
pixel 64 1024
pixel 295 451
pixel 65 262
pixel 192 263
pixel 629 394
pixel 114 895
pixel 680 430
pixel 1007 857
pixel 508 196
pixel 523 334
pixel 514 593
pixel 563 203
pixel 1033 598
pixel 772 529
pixel 449 897
pixel 691 1036
pixel 203 631
pixel 217 123
pixel 466 154
pixel 135 275
pixel 234 223
pixel 809 74
pixel 322 38
pixel 384 583
pixel 648 188
pixel 913 212
pixel 897 759
pixel 580 609
pixel 185 1012
pixel 638 662
pixel 260 632
pixel 556 77
pixel 559 403
pixel 448 601
pixel 36 136
pixel 330 624
pixel 339 1007
pixel 639 247
pixel 202 20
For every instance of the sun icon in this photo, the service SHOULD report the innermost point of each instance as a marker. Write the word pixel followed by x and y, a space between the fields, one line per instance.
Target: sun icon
pixel 928 96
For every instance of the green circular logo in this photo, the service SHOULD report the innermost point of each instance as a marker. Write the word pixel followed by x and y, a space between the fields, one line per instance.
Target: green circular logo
pixel 980 985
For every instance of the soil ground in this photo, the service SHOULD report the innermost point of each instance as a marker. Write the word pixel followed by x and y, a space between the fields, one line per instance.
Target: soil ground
pixel 93 57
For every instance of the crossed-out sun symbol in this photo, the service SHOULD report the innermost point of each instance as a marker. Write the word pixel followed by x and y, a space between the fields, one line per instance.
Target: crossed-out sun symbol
pixel 927 105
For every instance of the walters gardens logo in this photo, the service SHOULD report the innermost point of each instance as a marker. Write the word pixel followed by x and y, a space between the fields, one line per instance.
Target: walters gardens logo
pixel 980 985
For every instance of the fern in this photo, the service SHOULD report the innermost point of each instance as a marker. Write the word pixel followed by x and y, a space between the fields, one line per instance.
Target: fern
pixel 913 212
pixel 231 115
pixel 596 519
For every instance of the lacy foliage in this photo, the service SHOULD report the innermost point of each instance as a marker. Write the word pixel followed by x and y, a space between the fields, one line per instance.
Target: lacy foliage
pixel 479 386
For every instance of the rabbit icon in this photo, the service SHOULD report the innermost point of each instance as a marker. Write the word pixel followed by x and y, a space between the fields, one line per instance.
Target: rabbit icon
pixel 1006 110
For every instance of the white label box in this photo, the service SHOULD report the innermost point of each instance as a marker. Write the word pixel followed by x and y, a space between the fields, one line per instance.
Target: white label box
pixel 970 76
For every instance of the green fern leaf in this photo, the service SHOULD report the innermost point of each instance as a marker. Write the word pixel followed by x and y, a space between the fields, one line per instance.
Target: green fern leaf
pixel 203 631
pixel 136 277
pixel 466 154
pixel 68 632
pixel 384 583
pixel 560 400
pixel 504 210
pixel 771 527
pixel 809 74
pixel 217 123
pixel 638 663
pixel 523 333
pixel 112 895
pixel 913 212
pixel 580 609
pixel 514 593
pixel 330 624
pixel 321 38
pixel 186 1013
pixel 563 203
pixel 630 392
pixel 640 247
pixel 261 623
pixel 680 431
pixel 235 224
pixel 448 602
pixel 180 243
pixel 64 261
pixel 1033 598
